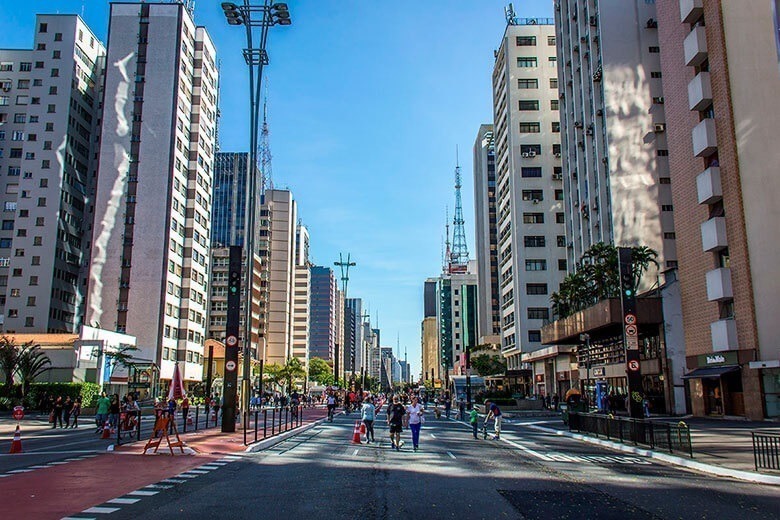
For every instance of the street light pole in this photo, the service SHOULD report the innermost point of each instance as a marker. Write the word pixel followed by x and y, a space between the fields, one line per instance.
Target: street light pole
pixel 252 17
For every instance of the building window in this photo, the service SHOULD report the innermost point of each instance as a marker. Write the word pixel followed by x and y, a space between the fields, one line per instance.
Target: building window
pixel 44 27
pixel 671 264
pixel 55 55
pixel 33 280
pixel 554 83
pixel 526 62
pixel 527 83
pixel 663 153
pixel 559 218
pixel 538 313
pixel 530 150
pixel 533 241
pixel 655 74
pixel 25 66
pixel 551 40
pixel 525 41
pixel 665 180
pixel 561 241
pixel 667 207
pixel 31 301
pixel 533 195
pixel 531 172
pixel 552 61
pixel 556 127
pixel 57 37
pixel 670 236
pixel 658 100
pixel 528 104
pixel 554 104
pixel 536 265
pixel 530 128
pixel 55 73
pixel 533 218
pixel 535 289
pixel 561 264
pixel 534 336
pixel 654 49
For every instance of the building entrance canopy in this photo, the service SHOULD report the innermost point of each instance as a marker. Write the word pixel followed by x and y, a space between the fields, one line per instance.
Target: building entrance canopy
pixel 710 372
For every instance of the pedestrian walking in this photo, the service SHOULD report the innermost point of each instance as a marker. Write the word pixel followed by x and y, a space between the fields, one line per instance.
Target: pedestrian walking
pixel 113 411
pixel 367 413
pixel 474 421
pixel 415 418
pixel 75 412
pixel 67 409
pixel 494 412
pixel 185 409
pixel 57 413
pixel 101 413
pixel 447 405
pixel 395 417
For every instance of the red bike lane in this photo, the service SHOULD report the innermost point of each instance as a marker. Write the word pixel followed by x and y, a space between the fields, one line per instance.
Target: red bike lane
pixel 55 491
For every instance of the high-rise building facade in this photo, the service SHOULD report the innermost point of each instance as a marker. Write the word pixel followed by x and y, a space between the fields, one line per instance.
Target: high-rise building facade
pixel 720 59
pixel 486 225
pixel 616 185
pixel 322 313
pixel 529 192
pixel 49 114
pixel 301 298
pixel 355 305
pixel 151 238
pixel 228 221
pixel 282 213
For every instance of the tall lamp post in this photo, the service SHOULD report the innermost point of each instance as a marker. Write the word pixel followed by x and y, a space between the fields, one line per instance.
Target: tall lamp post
pixel 257 19
pixel 344 284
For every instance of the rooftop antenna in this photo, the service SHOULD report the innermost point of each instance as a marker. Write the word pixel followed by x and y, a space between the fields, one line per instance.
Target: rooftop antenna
pixel 460 251
pixel 509 13
pixel 447 252
pixel 266 169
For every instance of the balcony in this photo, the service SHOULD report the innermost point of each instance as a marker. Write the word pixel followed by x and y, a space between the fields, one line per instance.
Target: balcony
pixel 705 139
pixel 690 10
pixel 708 185
pixel 695 47
pixel 700 91
pixel 713 234
pixel 724 335
pixel 719 284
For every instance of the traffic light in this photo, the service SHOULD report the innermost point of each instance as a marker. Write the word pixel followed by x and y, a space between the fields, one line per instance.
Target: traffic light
pixel 626 273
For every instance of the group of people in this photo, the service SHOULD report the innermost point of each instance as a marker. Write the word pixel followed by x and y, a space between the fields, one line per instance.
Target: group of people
pixel 63 411
pixel 109 409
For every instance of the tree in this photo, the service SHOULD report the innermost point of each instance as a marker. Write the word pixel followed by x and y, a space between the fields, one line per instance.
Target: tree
pixel 32 363
pixel 9 358
pixel 273 373
pixel 320 371
pixel 488 365
pixel 291 371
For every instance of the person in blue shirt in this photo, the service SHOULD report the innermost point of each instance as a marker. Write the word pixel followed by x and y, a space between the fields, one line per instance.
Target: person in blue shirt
pixel 493 411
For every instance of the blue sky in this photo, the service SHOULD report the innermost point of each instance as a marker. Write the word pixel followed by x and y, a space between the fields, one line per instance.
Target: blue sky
pixel 367 101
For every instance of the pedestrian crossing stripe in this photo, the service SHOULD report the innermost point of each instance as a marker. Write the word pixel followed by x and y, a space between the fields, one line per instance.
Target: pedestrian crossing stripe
pixel 598 459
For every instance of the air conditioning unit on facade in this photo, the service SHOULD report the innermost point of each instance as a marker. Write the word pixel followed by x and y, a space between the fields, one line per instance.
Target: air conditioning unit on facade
pixel 535 201
pixel 532 153
pixel 558 155
pixel 525 154
pixel 659 127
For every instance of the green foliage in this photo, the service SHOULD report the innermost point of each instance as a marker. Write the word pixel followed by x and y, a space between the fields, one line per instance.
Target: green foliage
pixel 32 362
pixel 320 371
pixel 488 365
pixel 89 394
pixel 597 278
pixel 9 358
pixel 284 375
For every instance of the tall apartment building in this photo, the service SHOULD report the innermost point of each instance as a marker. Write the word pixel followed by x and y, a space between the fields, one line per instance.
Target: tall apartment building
pixel 49 113
pixel 616 184
pixel 429 334
pixel 228 226
pixel 451 317
pixel 720 59
pixel 355 306
pixel 282 212
pixel 151 239
pixel 322 313
pixel 486 223
pixel 531 243
pixel 301 297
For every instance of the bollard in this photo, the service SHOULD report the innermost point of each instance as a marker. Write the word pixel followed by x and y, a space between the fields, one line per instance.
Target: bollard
pixel 273 422
pixel 265 423
pixel 256 416
pixel 286 422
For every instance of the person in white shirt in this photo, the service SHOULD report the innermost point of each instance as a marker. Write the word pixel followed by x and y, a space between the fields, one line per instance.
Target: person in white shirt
pixel 414 414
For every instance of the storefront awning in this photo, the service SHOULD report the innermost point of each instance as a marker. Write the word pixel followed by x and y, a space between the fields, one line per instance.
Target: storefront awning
pixel 705 372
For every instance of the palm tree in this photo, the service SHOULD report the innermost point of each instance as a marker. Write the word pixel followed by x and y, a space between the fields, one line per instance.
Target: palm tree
pixel 641 259
pixel 291 371
pixel 32 363
pixel 9 359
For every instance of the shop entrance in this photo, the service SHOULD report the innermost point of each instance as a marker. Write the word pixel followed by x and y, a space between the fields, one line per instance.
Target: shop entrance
pixel 713 397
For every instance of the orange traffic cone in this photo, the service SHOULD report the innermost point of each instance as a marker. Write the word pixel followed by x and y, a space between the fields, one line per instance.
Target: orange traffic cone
pixel 106 431
pixel 356 433
pixel 16 444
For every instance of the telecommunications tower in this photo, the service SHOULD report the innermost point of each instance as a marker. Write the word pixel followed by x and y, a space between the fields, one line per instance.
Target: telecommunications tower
pixel 459 255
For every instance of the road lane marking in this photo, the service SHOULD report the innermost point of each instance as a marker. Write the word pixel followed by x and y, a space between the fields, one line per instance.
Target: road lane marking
pixel 209 467
pixel 126 501
pixel 356 452
pixel 174 480
pixel 141 493
pixel 198 472
pixel 450 454
pixel 26 470
pixel 218 463
pixel 159 486
pixel 77 518
pixel 185 475
pixel 101 510
pixel 526 450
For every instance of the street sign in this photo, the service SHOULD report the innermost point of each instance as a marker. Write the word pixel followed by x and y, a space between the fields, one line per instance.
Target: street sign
pixel 231 341
pixel 630 319
pixel 230 365
pixel 630 330
pixel 18 413
pixel 632 343
pixel 633 365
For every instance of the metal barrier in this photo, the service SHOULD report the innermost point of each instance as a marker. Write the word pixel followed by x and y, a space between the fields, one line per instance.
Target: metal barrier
pixel 288 418
pixel 128 428
pixel 674 438
pixel 766 450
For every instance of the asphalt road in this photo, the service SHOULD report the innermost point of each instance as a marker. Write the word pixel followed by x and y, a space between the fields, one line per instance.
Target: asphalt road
pixel 527 475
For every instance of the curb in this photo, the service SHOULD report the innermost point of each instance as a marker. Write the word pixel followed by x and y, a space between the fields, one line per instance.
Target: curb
pixel 273 441
pixel 664 457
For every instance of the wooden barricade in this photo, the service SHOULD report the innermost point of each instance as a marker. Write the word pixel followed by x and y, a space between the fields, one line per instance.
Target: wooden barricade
pixel 162 424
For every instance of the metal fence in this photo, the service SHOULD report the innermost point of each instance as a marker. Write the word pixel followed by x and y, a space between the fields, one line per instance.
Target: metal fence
pixel 766 450
pixel 674 438
pixel 271 420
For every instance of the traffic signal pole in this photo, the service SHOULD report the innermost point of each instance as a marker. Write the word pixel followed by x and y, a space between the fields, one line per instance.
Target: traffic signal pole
pixel 628 286
pixel 231 340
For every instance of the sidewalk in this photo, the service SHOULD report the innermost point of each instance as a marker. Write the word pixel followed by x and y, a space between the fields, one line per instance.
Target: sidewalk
pixel 58 490
pixel 720 447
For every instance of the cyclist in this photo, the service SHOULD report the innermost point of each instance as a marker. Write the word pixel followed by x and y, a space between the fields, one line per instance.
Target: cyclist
pixel 331 401
pixel 492 410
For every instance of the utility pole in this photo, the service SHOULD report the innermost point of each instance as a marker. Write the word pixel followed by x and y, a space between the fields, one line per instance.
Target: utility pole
pixel 344 266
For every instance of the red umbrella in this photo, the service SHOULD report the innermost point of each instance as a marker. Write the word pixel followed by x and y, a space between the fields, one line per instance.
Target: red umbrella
pixel 176 390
